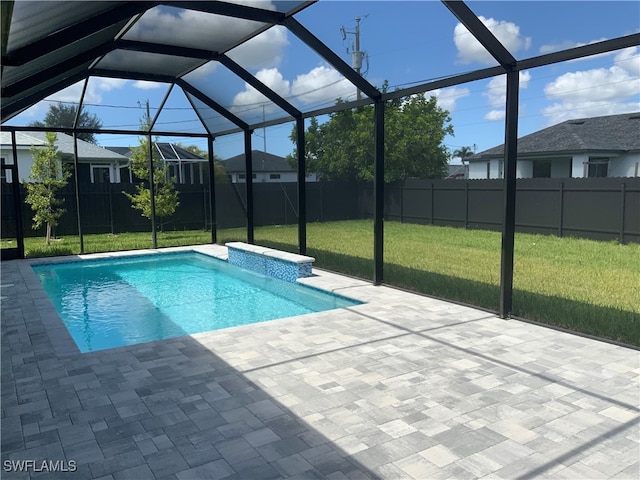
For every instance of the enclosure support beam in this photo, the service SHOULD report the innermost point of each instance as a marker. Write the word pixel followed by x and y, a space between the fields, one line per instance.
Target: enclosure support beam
pixel 212 192
pixel 378 194
pixel 152 192
pixel 77 189
pixel 302 187
pixel 17 202
pixel 509 210
pixel 248 157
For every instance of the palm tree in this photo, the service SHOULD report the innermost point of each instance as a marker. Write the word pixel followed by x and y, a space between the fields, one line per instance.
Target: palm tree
pixel 463 152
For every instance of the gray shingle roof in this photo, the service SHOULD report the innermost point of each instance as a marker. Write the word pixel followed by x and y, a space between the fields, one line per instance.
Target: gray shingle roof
pixel 612 133
pixel 86 151
pixel 261 162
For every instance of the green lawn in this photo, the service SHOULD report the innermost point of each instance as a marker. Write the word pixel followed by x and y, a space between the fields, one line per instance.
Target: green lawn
pixel 583 285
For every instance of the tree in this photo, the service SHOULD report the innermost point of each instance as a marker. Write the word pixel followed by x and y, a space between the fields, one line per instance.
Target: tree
pixel 219 172
pixel 462 153
pixel 63 116
pixel 343 148
pixel 165 194
pixel 47 177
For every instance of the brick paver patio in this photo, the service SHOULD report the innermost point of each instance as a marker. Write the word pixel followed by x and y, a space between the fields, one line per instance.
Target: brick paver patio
pixel 402 387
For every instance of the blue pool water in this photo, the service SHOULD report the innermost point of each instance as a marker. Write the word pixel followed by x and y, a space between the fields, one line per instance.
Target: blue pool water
pixel 117 302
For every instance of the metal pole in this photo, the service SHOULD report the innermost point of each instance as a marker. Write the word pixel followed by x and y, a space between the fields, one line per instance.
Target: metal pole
pixel 16 197
pixel 152 190
pixel 212 192
pixel 77 189
pixel 358 69
pixel 509 212
pixel 302 187
pixel 378 194
pixel 249 184
pixel 623 195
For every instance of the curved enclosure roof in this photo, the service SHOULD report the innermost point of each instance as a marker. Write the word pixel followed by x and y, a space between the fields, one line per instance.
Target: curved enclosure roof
pixel 218 55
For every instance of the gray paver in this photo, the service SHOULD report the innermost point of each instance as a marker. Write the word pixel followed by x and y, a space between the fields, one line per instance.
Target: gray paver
pixel 402 386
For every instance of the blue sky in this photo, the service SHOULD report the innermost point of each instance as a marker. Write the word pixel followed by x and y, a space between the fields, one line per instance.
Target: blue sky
pixel 405 43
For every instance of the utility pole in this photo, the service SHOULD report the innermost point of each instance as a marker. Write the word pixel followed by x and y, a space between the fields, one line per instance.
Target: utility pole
pixel 356 54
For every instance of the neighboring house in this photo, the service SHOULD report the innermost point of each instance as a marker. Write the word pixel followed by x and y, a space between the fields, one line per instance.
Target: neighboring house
pixel 266 168
pixel 96 164
pixel 101 164
pixel 185 166
pixel 606 146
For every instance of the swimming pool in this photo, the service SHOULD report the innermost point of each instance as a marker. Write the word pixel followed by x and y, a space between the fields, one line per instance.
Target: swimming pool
pixel 130 300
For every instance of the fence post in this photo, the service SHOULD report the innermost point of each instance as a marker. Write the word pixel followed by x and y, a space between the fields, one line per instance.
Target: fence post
pixel 110 187
pixel 401 201
pixel 623 188
pixel 321 201
pixel 466 205
pixel 432 207
pixel 561 213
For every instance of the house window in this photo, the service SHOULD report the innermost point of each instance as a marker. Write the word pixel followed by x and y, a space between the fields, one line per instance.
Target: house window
pixel 542 169
pixel 100 174
pixel 501 169
pixel 597 167
pixel 488 169
pixel 274 176
pixel 5 173
pixel 243 176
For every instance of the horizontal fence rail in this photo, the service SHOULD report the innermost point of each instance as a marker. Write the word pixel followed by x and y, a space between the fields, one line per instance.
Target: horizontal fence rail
pixel 596 208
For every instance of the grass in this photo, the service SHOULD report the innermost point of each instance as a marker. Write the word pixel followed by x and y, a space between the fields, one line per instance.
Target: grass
pixel 582 285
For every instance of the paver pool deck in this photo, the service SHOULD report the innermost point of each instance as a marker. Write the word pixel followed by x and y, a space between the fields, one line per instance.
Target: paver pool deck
pixel 401 387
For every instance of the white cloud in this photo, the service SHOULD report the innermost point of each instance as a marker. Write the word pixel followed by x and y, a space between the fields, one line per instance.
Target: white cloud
pixel 321 85
pixel 470 50
pixel 250 98
pixel 448 97
pixel 96 87
pixel 568 44
pixel 599 91
pixel 190 28
pixel 262 51
pixel 496 94
pixel 629 60
pixel 201 72
pixel 144 85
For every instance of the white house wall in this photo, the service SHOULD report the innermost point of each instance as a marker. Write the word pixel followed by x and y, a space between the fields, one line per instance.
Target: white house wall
pixel 477 170
pixel 625 166
pixel 524 169
pixel 561 167
pixel 25 160
pixel 577 165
